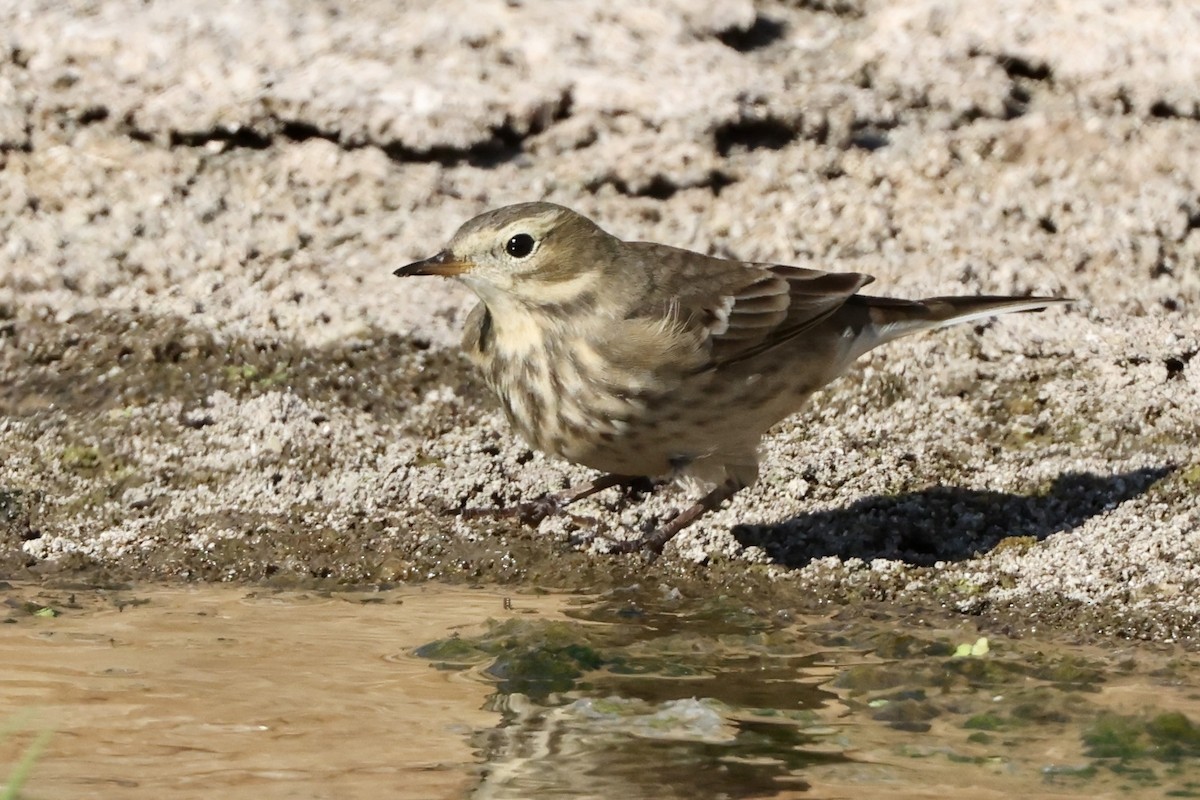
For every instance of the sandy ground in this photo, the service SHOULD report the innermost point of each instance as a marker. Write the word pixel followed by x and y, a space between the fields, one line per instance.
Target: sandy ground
pixel 207 369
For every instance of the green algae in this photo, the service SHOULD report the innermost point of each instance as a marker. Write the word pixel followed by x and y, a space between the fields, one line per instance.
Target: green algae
pixel 981 712
pixel 1168 737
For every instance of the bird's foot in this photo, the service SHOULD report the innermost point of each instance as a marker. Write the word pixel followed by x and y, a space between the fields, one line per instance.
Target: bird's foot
pixel 649 545
pixel 529 513
pixel 533 512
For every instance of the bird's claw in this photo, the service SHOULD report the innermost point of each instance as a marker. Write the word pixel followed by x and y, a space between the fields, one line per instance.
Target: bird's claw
pixel 534 511
pixel 648 547
pixel 530 513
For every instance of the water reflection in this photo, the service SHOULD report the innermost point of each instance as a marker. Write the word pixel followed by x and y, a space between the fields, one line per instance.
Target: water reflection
pixel 663 698
pixel 439 692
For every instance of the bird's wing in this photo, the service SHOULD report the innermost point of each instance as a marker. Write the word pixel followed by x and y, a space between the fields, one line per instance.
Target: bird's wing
pixel 742 309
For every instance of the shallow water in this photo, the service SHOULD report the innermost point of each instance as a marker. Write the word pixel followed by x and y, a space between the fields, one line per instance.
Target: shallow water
pixel 436 692
pixel 217 691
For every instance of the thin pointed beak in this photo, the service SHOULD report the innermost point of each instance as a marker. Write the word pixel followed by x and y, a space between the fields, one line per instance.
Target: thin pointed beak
pixel 443 264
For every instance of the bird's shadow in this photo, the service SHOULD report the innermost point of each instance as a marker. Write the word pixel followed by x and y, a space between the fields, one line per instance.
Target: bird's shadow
pixel 945 523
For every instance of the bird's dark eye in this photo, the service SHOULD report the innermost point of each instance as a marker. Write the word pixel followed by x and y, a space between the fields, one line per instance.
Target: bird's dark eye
pixel 520 245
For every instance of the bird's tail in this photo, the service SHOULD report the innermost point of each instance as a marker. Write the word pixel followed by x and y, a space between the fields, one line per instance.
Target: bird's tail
pixel 890 319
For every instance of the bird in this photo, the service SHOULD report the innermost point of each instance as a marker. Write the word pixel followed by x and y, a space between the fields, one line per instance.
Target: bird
pixel 648 362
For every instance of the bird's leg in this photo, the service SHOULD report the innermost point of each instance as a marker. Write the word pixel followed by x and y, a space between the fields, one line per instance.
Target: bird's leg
pixel 596 485
pixel 654 542
pixel 533 512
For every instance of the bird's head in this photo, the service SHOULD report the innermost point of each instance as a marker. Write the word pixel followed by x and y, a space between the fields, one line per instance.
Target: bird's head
pixel 536 253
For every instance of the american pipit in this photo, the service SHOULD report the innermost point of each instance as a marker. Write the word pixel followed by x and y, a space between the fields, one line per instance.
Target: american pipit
pixel 643 360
